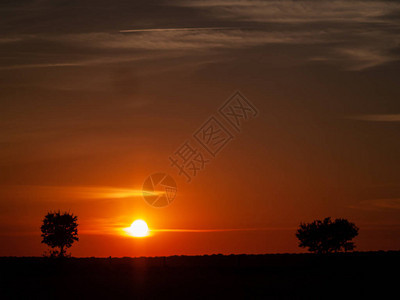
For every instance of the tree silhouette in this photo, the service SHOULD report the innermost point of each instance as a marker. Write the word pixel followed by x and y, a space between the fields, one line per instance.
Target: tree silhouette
pixel 59 231
pixel 327 236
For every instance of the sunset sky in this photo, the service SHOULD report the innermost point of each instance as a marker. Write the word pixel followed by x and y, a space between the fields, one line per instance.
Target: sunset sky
pixel 97 95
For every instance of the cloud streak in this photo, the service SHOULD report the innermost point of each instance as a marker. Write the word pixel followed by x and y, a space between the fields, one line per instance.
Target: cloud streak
pixel 56 193
pixel 175 29
pixel 376 117
pixel 223 229
pixel 79 63
pixel 298 11
pixel 353 48
pixel 379 204
pixel 354 35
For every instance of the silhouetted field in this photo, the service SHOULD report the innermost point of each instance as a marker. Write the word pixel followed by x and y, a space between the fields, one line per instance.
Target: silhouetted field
pixel 273 276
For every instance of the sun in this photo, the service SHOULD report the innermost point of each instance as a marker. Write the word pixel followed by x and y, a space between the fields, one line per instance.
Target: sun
pixel 138 228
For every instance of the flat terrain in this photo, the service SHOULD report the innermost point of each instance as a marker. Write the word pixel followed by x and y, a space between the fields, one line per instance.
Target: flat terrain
pixel 272 276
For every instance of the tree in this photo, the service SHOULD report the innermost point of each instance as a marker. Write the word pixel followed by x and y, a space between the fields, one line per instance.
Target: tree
pixel 59 231
pixel 327 236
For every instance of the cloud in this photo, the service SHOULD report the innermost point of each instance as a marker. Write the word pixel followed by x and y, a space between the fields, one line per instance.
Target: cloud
pixel 366 58
pixel 370 49
pixel 298 11
pixel 354 35
pixel 174 29
pixel 11 40
pixel 378 204
pixel 118 226
pixel 78 63
pixel 376 117
pixel 56 193
pixel 134 45
pixel 363 34
pixel 224 229
pixel 357 59
pixel 195 39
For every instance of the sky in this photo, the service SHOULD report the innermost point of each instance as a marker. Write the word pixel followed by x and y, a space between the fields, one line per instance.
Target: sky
pixel 95 96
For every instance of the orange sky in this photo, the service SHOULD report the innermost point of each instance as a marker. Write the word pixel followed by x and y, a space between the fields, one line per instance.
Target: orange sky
pixel 87 112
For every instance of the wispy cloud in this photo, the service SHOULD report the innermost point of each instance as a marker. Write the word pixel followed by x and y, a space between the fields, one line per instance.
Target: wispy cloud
pixel 373 50
pixel 223 229
pixel 80 63
pixel 163 43
pixel 378 204
pixel 289 11
pixel 110 227
pixel 194 39
pixel 352 48
pixel 11 39
pixel 72 192
pixel 366 58
pixel 376 117
pixel 175 29
pixel 354 35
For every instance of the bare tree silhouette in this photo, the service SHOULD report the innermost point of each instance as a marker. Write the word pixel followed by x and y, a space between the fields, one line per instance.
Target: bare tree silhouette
pixel 59 231
pixel 327 236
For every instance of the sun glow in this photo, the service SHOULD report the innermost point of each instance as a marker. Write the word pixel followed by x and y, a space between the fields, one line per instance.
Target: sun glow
pixel 138 228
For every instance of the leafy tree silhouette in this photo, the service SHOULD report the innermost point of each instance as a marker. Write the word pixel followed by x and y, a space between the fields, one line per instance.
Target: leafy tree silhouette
pixel 327 236
pixel 59 231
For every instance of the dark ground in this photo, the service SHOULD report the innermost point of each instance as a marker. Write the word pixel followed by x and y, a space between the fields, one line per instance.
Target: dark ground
pixel 274 276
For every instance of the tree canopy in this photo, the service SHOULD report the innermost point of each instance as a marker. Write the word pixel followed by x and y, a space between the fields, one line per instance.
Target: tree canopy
pixel 327 236
pixel 59 230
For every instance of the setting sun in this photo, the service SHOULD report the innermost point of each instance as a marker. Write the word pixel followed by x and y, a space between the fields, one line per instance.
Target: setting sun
pixel 138 228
